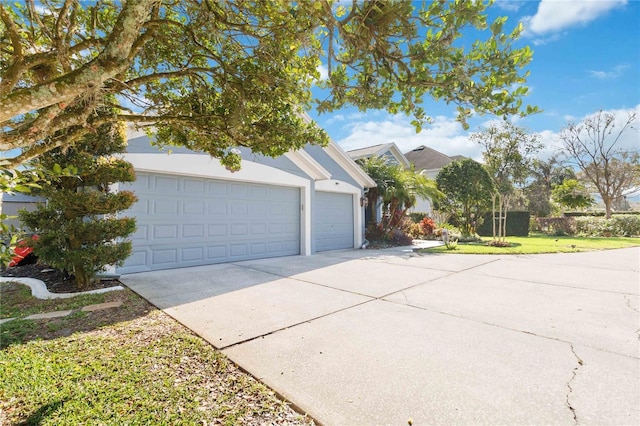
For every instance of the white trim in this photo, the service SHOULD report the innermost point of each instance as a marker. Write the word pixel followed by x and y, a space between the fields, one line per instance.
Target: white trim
pixel 307 164
pixel 399 155
pixel 338 186
pixel 205 166
pixel 350 166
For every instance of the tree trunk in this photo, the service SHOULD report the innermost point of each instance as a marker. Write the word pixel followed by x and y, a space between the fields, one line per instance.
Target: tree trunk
pixel 607 206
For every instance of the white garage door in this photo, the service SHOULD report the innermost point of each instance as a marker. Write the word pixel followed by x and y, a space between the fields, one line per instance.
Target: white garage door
pixel 184 221
pixel 333 221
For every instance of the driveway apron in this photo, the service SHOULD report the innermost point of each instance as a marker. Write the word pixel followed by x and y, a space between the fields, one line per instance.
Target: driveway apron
pixel 368 337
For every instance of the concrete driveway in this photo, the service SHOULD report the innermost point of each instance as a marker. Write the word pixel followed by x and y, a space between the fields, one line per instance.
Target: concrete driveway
pixel 381 337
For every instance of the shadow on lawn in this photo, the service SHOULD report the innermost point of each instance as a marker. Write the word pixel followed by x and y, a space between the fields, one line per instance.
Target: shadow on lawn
pixel 43 412
pixel 21 331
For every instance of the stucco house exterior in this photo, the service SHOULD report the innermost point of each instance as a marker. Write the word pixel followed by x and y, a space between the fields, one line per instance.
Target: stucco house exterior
pixel 192 211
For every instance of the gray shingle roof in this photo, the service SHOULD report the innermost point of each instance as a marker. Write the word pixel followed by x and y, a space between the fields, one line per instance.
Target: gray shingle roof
pixel 425 158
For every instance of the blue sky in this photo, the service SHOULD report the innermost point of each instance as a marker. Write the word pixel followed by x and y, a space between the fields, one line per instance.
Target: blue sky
pixel 586 58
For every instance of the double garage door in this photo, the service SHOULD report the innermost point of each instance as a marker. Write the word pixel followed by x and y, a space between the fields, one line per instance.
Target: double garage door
pixel 184 221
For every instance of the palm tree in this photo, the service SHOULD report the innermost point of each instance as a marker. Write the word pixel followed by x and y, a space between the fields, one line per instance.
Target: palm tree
pixel 398 188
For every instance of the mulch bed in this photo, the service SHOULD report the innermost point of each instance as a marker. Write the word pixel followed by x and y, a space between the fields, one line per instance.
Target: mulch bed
pixel 55 280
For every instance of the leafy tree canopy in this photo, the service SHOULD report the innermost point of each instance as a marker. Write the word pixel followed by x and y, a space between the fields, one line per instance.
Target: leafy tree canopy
pixel 508 153
pixel 210 75
pixel 468 190
pixel 572 194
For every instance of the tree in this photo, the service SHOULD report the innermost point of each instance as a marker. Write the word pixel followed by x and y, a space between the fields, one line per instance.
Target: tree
pixel 397 188
pixel 79 232
pixel 468 190
pixel 508 153
pixel 572 194
pixel 211 75
pixel 594 147
pixel 546 174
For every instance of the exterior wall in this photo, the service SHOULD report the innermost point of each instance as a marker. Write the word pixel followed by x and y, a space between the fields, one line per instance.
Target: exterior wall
pixel 337 172
pixel 12 204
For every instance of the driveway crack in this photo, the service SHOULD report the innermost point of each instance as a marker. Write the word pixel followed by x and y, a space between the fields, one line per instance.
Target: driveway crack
pixel 574 374
pixel 628 299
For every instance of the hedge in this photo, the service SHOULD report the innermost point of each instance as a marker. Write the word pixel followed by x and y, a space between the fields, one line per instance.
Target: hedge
pixel 599 214
pixel 517 224
pixel 617 226
pixel 556 225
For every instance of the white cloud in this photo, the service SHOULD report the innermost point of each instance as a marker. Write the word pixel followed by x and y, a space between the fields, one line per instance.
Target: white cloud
pixel 324 71
pixel 629 140
pixel 509 5
pixel 546 40
pixel 613 73
pixel 556 15
pixel 444 134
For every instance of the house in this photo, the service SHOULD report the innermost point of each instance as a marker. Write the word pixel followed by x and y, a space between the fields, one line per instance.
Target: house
pixel 428 162
pixel 192 211
pixel 392 154
pixel 388 151
pixel 11 204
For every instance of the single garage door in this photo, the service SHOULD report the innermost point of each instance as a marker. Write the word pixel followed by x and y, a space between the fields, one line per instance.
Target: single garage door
pixel 333 221
pixel 185 221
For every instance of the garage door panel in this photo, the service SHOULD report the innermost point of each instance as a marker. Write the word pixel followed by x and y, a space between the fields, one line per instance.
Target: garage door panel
pixel 184 221
pixel 333 221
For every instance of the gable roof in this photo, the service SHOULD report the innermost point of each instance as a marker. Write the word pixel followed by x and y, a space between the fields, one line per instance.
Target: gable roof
pixel 425 158
pixel 379 150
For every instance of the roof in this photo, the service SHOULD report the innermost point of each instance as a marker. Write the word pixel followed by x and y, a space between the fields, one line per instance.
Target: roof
pixel 425 158
pixel 369 151
pixel 377 151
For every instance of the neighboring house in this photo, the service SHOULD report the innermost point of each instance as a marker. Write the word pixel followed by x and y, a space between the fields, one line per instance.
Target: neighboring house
pixel 428 162
pixel 10 204
pixel 389 151
pixel 392 154
pixel 192 211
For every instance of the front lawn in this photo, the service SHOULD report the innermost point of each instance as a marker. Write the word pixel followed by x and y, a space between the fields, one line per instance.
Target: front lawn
pixel 131 365
pixel 535 244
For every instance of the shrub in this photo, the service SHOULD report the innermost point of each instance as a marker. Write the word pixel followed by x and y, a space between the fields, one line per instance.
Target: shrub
pixel 80 232
pixel 517 224
pixel 417 216
pixel 558 226
pixel 617 226
pixel 454 233
pixel 415 231
pixel 378 234
pixel 428 226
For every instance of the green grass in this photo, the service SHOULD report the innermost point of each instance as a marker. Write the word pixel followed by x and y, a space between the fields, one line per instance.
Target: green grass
pixel 17 301
pixel 150 370
pixel 535 244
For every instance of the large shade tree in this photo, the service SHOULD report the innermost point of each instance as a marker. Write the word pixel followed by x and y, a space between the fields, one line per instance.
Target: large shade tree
pixel 595 146
pixel 210 75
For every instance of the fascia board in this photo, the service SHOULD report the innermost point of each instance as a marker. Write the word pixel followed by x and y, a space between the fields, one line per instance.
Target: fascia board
pixel 307 164
pixel 350 166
